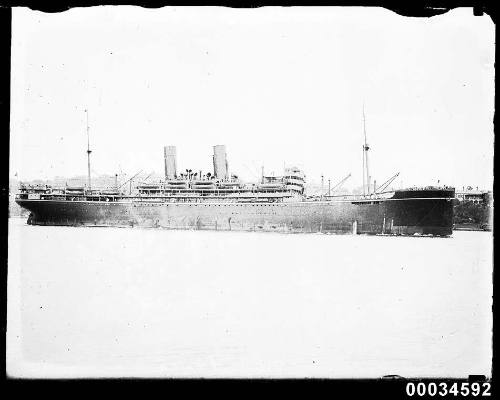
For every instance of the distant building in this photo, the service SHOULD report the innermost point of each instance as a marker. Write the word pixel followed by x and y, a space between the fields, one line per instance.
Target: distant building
pixel 475 196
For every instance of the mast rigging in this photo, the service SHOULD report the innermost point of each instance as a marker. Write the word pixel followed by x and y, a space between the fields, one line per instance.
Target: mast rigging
pixel 88 152
pixel 366 169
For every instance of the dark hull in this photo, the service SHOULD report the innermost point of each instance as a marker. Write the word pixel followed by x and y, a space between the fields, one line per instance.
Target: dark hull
pixel 404 215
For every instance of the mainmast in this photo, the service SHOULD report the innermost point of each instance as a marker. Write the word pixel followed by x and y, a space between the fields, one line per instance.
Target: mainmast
pixel 88 151
pixel 366 169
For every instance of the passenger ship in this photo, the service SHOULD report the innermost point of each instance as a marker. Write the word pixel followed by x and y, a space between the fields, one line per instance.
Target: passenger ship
pixel 219 201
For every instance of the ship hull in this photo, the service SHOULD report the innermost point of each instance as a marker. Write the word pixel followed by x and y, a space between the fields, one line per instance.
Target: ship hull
pixel 400 216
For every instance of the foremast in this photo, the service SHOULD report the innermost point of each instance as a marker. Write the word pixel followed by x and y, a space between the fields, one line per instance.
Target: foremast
pixel 88 152
pixel 366 169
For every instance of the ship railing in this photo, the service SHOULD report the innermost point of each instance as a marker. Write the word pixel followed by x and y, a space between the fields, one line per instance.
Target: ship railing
pixel 428 188
pixel 199 199
pixel 69 195
pixel 106 196
pixel 372 196
pixel 221 192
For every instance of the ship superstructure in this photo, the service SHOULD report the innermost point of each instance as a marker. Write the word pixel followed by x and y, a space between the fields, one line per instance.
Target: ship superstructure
pixel 220 185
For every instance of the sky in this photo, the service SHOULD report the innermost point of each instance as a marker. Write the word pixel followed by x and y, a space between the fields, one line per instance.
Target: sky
pixel 278 86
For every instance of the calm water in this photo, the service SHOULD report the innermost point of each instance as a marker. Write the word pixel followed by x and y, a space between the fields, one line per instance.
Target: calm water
pixel 149 302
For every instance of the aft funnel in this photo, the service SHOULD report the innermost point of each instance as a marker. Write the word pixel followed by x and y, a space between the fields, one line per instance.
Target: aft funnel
pixel 220 162
pixel 170 154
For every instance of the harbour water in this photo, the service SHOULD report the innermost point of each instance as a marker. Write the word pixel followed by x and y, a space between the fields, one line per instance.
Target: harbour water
pixel 164 303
